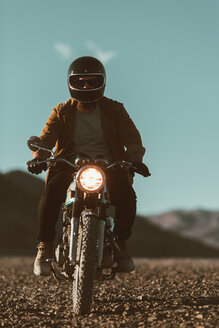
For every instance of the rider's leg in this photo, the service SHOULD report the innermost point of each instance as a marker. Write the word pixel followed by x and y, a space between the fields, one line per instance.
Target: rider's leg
pixel 49 207
pixel 124 198
pixel 50 203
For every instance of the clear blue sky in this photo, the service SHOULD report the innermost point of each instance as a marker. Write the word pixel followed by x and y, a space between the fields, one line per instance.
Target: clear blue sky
pixel 162 62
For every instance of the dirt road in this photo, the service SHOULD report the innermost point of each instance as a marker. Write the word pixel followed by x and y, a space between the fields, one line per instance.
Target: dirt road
pixel 161 293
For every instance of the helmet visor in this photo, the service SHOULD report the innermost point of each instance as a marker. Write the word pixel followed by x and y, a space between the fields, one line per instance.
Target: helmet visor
pixel 83 82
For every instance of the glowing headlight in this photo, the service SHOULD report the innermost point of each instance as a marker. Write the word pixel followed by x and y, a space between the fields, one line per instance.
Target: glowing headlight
pixel 91 179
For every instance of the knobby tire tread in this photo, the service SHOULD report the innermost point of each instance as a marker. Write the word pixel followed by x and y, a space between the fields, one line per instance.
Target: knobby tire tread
pixel 82 294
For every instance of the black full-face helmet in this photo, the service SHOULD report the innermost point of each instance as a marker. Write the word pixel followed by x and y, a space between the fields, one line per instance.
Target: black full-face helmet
pixel 92 71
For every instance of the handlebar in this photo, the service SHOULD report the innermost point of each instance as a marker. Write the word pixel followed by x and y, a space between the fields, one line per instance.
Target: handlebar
pixel 121 164
pixel 52 161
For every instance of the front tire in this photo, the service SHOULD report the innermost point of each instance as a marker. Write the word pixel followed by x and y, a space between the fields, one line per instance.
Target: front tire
pixel 85 270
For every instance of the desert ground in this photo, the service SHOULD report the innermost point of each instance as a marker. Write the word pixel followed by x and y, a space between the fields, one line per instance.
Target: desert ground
pixel 160 293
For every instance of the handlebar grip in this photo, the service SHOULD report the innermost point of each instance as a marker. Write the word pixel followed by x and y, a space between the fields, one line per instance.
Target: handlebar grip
pixel 144 171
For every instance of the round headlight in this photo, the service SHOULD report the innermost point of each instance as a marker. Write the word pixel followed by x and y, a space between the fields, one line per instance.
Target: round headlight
pixel 91 179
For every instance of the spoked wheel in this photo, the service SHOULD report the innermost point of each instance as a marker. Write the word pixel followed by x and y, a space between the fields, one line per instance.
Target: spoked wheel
pixel 85 270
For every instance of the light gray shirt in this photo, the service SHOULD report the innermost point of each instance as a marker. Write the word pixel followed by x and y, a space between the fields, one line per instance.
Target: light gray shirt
pixel 88 137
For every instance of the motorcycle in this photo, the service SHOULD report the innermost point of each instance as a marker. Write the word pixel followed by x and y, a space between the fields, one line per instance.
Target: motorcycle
pixel 88 248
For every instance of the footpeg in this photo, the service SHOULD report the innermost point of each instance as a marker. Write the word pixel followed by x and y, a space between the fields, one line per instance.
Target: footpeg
pixel 105 276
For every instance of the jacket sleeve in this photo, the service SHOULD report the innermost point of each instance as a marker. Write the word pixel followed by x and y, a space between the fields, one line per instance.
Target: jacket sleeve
pixel 50 134
pixel 129 135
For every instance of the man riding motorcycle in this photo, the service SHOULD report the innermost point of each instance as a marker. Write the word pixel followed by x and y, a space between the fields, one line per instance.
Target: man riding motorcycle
pixel 91 124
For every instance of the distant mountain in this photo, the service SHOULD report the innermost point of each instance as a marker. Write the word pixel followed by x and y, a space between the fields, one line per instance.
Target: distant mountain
pixel 202 225
pixel 19 198
pixel 149 240
pixel 29 182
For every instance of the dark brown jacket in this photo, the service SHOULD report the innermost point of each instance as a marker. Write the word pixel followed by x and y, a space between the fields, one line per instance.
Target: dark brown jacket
pixel 120 132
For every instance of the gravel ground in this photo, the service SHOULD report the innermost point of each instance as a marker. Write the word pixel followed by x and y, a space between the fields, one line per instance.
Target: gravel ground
pixel 160 293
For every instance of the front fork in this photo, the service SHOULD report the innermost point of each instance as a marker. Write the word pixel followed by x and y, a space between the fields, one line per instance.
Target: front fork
pixel 100 242
pixel 75 221
pixel 73 240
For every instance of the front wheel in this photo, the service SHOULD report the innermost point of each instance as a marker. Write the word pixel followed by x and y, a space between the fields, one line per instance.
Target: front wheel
pixel 85 268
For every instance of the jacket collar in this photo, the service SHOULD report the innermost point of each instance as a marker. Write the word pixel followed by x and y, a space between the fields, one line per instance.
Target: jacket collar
pixel 102 102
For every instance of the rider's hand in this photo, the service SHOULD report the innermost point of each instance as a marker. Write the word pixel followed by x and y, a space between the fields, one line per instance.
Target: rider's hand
pixel 34 167
pixel 141 168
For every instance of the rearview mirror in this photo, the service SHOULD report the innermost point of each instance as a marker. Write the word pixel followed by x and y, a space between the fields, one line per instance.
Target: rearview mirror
pixel 33 143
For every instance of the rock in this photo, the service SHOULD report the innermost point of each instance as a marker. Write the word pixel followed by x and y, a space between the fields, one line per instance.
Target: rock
pixel 28 301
